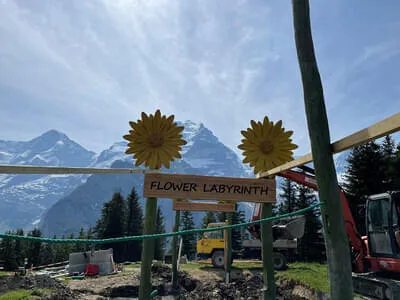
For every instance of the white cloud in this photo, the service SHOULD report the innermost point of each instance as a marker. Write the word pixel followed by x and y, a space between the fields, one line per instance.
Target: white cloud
pixel 88 67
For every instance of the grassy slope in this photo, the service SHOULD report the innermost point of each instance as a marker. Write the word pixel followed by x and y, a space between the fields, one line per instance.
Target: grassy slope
pixel 314 275
pixel 25 294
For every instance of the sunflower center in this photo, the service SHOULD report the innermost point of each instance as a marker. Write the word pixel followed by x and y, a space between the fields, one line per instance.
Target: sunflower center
pixel 266 147
pixel 156 140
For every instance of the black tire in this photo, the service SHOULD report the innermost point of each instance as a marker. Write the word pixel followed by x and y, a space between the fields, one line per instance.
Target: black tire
pixel 280 262
pixel 218 259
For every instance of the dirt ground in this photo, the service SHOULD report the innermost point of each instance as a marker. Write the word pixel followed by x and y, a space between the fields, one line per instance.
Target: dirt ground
pixel 193 284
pixel 199 283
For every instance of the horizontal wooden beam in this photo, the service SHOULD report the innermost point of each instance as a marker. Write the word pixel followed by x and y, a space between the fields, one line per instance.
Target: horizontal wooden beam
pixel 13 169
pixel 203 206
pixel 287 166
pixel 373 132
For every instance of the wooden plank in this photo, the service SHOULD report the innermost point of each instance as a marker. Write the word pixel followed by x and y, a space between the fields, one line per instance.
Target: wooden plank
pixel 203 206
pixel 198 187
pixel 13 169
pixel 378 130
pixel 287 166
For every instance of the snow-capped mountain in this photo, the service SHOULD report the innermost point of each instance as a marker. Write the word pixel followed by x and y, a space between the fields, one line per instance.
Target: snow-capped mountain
pixel 203 154
pixel 64 203
pixel 24 198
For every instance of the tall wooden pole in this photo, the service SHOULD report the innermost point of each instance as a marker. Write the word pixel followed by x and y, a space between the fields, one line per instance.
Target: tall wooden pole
pixel 337 243
pixel 148 249
pixel 175 250
pixel 267 253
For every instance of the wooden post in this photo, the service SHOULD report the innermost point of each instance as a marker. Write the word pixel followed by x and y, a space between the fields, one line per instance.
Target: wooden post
pixel 175 251
pixel 267 253
pixel 337 243
pixel 145 288
pixel 228 250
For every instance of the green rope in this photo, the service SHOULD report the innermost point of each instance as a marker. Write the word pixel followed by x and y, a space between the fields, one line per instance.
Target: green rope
pixel 154 293
pixel 154 236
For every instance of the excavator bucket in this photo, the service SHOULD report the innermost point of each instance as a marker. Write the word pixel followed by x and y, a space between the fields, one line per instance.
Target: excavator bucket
pixel 289 228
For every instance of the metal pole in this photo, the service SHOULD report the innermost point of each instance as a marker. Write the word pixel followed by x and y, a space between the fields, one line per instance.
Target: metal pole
pixel 267 253
pixel 179 252
pixel 145 287
pixel 175 251
pixel 228 251
pixel 337 243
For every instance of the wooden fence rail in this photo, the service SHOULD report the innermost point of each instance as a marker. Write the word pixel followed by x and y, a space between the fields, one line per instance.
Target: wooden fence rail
pixel 380 129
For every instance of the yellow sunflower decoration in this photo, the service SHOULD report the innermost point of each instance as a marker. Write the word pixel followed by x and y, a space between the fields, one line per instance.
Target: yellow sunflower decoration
pixel 155 140
pixel 266 145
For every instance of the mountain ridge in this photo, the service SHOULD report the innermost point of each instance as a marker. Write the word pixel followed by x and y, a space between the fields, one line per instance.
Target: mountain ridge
pixel 24 197
pixel 28 198
pixel 203 154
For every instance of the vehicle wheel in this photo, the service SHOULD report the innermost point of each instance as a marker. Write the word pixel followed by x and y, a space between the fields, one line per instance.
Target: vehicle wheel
pixel 218 259
pixel 279 261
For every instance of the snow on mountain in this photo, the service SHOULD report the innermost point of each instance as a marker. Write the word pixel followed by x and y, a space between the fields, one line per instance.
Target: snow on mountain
pixel 203 154
pixel 24 198
pixel 62 203
pixel 107 157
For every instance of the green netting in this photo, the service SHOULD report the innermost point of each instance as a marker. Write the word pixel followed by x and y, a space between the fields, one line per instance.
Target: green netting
pixel 154 236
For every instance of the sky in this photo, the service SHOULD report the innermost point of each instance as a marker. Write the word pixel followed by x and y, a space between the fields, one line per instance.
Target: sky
pixel 88 67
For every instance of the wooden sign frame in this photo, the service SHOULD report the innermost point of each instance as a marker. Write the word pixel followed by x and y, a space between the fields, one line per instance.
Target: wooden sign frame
pixel 197 187
pixel 203 206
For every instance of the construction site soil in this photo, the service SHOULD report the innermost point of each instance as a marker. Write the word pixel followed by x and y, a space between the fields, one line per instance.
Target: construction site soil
pixel 198 284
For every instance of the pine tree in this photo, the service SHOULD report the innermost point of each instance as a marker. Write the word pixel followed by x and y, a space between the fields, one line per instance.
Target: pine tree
pixel 237 217
pixel 20 248
pixel 68 248
pixel 134 226
pixel 89 233
pixel 275 209
pixel 112 224
pixel 78 247
pixel 189 240
pixel 388 149
pixel 288 196
pixel 34 248
pixel 311 246
pixel 208 218
pixel 47 254
pixel 397 168
pixel 159 244
pixel 8 253
pixel 62 251
pixel 364 176
pixel 222 216
pixel 82 234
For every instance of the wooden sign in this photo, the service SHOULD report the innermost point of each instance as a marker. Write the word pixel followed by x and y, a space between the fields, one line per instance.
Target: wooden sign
pixel 209 188
pixel 203 206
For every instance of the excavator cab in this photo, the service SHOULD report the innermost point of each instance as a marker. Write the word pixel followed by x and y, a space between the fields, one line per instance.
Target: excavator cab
pixel 383 225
